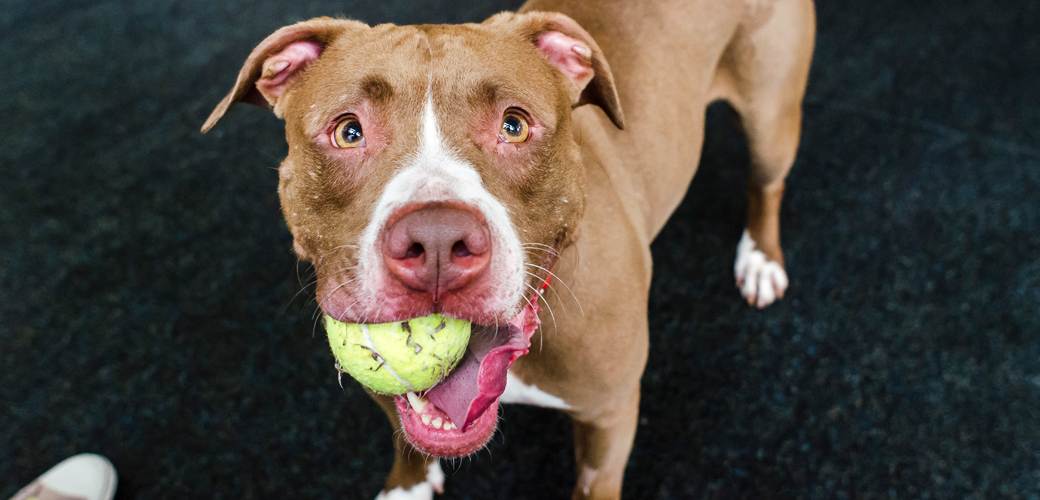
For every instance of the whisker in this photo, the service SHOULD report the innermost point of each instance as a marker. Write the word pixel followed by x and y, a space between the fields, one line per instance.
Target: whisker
pixel 564 283
pixel 541 247
pixel 313 276
pixel 341 285
pixel 298 279
pixel 545 251
pixel 541 338
pixel 553 316
pixel 314 327
pixel 536 244
pixel 549 285
pixel 297 294
pixel 317 315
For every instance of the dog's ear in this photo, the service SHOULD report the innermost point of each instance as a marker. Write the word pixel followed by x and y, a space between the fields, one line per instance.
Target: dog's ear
pixel 572 51
pixel 278 61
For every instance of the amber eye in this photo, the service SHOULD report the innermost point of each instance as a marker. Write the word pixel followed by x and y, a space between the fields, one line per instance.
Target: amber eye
pixel 348 133
pixel 514 127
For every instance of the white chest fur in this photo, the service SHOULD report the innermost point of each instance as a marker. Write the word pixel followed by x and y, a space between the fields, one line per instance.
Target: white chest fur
pixel 521 393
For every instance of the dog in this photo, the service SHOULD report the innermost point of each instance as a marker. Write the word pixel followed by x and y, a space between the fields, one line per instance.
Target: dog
pixel 456 169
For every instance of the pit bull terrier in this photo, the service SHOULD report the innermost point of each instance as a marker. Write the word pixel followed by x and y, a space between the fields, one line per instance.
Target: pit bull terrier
pixel 456 170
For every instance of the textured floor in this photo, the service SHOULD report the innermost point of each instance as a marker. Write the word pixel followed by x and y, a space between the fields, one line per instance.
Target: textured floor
pixel 149 307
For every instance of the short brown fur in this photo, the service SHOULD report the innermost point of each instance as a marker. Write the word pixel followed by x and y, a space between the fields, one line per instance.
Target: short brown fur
pixel 657 67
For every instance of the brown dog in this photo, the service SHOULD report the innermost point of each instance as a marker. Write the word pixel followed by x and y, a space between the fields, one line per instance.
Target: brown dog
pixel 442 169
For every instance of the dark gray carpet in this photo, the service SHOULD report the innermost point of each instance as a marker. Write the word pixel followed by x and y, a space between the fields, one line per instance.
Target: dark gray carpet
pixel 149 307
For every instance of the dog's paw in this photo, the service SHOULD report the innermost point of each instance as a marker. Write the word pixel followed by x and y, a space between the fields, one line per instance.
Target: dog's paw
pixel 422 491
pixel 761 281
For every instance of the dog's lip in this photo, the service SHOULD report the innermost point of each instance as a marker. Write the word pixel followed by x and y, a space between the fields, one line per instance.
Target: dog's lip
pixel 470 400
pixel 445 442
pixel 401 305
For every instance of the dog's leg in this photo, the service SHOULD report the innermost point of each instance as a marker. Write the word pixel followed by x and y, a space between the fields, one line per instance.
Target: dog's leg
pixel 602 446
pixel 415 475
pixel 763 75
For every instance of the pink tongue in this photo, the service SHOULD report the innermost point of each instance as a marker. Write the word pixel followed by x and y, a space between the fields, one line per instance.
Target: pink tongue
pixel 480 378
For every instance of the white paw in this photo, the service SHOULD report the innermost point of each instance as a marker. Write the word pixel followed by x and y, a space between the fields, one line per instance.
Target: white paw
pixel 761 281
pixel 422 491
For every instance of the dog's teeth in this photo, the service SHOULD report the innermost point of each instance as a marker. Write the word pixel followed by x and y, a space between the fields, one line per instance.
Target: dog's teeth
pixel 418 404
pixel 437 422
pixel 426 419
pixel 448 426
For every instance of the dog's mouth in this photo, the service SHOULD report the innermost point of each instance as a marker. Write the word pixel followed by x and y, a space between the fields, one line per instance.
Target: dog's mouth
pixel 458 416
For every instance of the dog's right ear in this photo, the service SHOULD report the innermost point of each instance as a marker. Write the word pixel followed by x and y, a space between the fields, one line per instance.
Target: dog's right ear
pixel 278 61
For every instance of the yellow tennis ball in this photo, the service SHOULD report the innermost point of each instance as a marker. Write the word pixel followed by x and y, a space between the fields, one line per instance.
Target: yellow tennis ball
pixel 396 358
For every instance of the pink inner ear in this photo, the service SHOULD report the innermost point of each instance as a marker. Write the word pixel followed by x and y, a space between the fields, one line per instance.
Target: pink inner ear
pixel 279 69
pixel 569 55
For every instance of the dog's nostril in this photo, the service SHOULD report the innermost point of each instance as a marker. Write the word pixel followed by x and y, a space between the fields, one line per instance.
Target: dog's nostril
pixel 459 249
pixel 437 249
pixel 414 251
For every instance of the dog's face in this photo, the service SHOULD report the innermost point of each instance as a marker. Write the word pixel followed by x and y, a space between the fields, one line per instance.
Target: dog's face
pixel 432 169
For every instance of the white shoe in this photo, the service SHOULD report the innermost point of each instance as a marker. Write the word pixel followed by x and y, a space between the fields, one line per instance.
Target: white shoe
pixel 82 477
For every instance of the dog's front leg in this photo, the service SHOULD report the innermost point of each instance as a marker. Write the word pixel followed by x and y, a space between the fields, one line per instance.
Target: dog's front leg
pixel 602 445
pixel 415 475
pixel 769 68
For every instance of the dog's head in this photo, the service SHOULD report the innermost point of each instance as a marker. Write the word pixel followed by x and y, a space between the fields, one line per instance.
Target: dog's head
pixel 432 169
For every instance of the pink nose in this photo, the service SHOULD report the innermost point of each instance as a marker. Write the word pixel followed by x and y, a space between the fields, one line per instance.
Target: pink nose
pixel 437 249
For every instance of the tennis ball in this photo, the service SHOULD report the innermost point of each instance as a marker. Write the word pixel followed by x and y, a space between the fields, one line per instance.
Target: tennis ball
pixel 395 358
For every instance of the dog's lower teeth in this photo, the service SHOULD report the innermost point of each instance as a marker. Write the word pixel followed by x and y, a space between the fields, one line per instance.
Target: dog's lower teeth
pixel 427 419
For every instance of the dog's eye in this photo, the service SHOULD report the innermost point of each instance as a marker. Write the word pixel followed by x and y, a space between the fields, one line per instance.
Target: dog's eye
pixel 348 133
pixel 514 127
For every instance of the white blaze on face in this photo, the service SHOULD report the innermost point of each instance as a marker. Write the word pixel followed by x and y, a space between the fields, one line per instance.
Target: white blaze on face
pixel 435 174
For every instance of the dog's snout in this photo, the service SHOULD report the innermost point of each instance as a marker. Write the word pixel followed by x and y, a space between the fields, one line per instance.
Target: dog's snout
pixel 437 249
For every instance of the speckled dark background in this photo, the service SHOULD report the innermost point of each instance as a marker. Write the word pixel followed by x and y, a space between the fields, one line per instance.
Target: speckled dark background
pixel 148 293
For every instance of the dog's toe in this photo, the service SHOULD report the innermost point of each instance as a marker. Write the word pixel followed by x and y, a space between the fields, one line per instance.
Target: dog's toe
pixel 761 281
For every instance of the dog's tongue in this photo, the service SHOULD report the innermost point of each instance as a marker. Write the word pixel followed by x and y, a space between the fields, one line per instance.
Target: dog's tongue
pixel 480 378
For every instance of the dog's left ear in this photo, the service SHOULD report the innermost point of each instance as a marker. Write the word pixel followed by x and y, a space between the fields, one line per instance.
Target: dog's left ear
pixel 572 51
